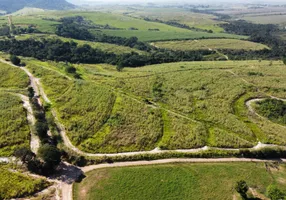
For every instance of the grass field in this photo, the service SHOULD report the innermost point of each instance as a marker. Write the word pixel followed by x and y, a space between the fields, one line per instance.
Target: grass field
pixel 279 19
pixel 178 181
pixel 12 78
pixel 172 106
pixel 106 47
pixel 14 129
pixel 14 184
pixel 197 20
pixel 169 35
pixel 210 44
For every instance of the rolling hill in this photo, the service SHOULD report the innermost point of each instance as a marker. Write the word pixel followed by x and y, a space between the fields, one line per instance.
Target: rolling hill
pixel 14 5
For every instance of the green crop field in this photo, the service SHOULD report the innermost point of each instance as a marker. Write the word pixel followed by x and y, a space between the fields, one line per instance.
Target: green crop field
pixel 267 19
pixel 14 129
pixel 210 44
pixel 178 181
pixel 106 47
pixel 172 106
pixel 197 20
pixel 169 35
pixel 14 184
pixel 121 23
pixel 12 78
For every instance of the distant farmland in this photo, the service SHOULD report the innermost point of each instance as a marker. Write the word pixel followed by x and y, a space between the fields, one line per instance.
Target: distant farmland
pixel 210 44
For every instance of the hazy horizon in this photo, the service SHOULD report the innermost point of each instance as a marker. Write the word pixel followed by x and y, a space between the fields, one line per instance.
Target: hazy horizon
pixel 80 2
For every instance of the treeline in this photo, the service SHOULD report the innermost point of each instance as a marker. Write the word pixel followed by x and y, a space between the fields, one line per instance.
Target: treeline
pixel 6 31
pixel 77 28
pixel 57 50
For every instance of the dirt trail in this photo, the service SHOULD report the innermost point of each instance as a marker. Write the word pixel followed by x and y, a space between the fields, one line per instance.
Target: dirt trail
pixel 35 140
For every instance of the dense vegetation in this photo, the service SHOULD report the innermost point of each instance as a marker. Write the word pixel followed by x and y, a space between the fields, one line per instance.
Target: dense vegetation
pixel 14 184
pixel 273 109
pixel 58 50
pixel 178 181
pixel 261 33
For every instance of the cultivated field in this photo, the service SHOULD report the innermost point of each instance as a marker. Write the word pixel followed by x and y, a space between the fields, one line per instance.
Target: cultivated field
pixel 179 181
pixel 14 129
pixel 118 25
pixel 171 106
pixel 14 184
pixel 279 19
pixel 210 44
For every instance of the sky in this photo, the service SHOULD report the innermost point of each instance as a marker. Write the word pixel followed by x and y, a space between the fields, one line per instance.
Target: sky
pixel 176 1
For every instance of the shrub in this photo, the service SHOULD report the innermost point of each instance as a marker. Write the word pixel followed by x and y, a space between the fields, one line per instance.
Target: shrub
pixel 274 193
pixel 50 155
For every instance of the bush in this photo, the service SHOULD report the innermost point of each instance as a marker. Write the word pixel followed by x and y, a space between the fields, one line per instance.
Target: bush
pixel 15 60
pixel 241 187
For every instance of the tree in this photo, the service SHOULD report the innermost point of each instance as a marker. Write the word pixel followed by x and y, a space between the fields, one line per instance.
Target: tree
pixel 241 187
pixel 274 193
pixel 15 60
pixel 50 155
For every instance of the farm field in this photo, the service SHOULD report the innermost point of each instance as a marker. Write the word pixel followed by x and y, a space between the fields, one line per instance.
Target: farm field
pixel 14 129
pixel 120 26
pixel 210 44
pixel 168 106
pixel 106 47
pixel 178 181
pixel 14 184
pixel 197 20
pixel 279 19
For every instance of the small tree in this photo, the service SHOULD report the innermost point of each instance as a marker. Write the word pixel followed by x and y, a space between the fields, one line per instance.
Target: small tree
pixel 31 92
pixel 50 155
pixel 24 154
pixel 274 193
pixel 241 187
pixel 284 60
pixel 15 60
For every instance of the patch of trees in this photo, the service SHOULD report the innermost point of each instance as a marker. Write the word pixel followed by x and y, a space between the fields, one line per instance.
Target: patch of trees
pixel 273 109
pixel 17 30
pixel 261 33
pixel 57 50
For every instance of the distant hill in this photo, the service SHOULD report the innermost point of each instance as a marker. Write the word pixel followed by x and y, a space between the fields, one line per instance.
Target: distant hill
pixel 14 5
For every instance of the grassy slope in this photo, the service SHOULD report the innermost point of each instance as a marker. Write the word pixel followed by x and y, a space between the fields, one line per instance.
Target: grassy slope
pixel 177 181
pixel 15 184
pixel 267 19
pixel 207 111
pixel 112 48
pixel 210 44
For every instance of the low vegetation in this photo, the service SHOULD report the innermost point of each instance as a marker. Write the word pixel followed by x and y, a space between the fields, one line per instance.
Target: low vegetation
pixel 14 129
pixel 273 109
pixel 14 184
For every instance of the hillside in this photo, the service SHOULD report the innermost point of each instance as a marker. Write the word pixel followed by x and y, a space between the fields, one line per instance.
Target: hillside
pixel 14 5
